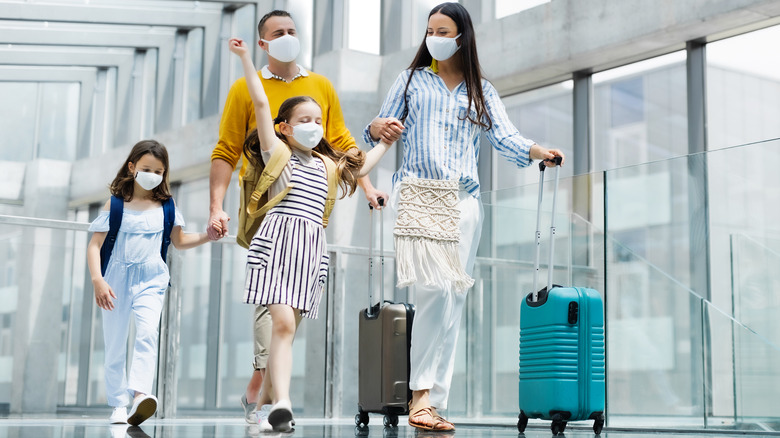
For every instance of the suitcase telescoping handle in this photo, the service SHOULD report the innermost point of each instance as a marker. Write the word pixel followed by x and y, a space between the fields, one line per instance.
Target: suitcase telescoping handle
pixel 371 257
pixel 542 167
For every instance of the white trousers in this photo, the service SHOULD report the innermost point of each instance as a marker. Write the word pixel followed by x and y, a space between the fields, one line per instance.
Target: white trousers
pixel 144 301
pixel 438 311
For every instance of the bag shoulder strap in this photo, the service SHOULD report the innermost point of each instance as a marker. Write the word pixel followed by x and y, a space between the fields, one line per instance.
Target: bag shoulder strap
pixel 114 222
pixel 273 169
pixel 333 187
pixel 169 217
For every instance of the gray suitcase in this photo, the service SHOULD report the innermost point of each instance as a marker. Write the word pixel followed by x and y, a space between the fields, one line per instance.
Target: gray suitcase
pixel 384 335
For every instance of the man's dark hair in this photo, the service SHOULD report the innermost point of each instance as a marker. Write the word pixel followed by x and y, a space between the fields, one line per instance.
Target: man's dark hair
pixel 276 13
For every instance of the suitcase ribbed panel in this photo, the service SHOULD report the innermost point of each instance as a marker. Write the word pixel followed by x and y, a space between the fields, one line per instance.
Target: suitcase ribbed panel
pixel 549 353
pixel 598 357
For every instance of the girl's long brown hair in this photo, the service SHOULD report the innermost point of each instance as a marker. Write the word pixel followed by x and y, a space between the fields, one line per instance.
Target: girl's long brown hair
pixel 124 182
pixel 348 164
pixel 472 72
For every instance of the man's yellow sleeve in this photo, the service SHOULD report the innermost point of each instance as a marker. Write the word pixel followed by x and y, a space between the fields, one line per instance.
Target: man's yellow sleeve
pixel 336 132
pixel 233 125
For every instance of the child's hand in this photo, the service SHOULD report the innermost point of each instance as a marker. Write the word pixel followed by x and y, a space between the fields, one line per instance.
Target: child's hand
pixel 219 232
pixel 103 294
pixel 238 46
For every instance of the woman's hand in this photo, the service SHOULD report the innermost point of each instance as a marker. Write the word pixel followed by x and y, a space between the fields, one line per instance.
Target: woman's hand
pixel 387 129
pixel 238 46
pixel 548 155
pixel 103 294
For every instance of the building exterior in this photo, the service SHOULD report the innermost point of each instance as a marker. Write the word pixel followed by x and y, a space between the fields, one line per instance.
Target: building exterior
pixel 667 111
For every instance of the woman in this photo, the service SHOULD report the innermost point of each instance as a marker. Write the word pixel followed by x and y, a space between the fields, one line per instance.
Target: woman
pixel 440 105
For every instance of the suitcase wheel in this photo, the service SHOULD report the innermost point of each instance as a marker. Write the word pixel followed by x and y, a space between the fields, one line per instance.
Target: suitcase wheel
pixel 522 422
pixel 390 420
pixel 558 424
pixel 598 424
pixel 361 419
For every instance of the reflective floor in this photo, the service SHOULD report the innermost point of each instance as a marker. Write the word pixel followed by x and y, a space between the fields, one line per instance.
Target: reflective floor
pixel 83 427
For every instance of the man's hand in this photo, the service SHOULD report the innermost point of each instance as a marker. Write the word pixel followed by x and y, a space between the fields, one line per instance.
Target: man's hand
pixel 218 224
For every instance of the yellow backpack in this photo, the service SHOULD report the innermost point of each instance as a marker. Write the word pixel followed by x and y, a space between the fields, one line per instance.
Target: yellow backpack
pixel 254 191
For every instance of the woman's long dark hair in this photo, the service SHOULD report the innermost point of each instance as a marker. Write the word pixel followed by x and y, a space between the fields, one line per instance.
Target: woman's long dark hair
pixel 123 184
pixel 472 72
pixel 348 164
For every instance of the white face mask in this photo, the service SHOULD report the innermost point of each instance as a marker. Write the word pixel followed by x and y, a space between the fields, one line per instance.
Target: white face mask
pixel 148 180
pixel 442 48
pixel 284 49
pixel 308 134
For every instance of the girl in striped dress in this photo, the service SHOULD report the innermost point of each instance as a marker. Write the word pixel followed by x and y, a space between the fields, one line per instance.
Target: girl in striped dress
pixel 288 262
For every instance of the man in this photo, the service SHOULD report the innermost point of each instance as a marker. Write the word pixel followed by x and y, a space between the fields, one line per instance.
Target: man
pixel 282 78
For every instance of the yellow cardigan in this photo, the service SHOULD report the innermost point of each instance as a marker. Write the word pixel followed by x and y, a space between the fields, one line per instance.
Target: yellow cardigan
pixel 238 117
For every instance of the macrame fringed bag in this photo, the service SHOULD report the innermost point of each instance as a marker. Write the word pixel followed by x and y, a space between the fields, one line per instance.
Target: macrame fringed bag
pixel 427 234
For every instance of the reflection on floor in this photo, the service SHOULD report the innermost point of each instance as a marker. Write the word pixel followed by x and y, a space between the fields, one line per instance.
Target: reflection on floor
pixel 89 427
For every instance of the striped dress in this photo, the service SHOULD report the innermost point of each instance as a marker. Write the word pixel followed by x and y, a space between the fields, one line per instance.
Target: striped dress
pixel 287 261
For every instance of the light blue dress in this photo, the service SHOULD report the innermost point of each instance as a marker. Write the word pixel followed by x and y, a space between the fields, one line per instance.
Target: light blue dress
pixel 139 277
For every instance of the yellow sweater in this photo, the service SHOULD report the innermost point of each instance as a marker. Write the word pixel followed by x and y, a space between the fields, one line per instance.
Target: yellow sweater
pixel 238 117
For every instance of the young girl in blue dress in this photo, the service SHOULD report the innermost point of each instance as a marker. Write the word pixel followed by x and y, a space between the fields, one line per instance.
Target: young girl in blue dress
pixel 288 261
pixel 135 278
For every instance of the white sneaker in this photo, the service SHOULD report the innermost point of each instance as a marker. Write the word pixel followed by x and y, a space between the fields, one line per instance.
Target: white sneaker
pixel 280 417
pixel 119 416
pixel 143 408
pixel 261 416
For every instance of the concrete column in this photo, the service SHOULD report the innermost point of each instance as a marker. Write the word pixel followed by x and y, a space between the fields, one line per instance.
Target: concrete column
pixel 38 319
pixel 396 19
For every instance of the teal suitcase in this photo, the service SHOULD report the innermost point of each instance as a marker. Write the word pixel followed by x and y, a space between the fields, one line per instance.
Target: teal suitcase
pixel 562 356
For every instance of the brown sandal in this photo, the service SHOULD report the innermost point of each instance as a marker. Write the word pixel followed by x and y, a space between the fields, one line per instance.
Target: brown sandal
pixel 437 422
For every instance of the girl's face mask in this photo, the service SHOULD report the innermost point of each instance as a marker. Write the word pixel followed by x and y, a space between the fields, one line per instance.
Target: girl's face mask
pixel 148 180
pixel 308 135
pixel 442 48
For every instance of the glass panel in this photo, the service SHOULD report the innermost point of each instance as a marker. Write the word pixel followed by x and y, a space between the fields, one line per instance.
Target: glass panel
pixel 196 304
pixel 59 125
pixel 10 252
pixel 640 112
pixel 745 377
pixel 364 25
pixel 743 89
pixel 18 112
pixel 652 331
pixel 544 115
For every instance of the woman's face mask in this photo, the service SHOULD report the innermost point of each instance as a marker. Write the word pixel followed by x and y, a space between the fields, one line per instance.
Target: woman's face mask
pixel 442 48
pixel 308 135
pixel 284 49
pixel 148 180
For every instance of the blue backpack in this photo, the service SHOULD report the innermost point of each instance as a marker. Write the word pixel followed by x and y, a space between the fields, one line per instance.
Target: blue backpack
pixel 115 221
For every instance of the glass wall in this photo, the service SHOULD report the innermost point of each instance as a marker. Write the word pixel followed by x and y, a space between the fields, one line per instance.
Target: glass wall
pixel 543 115
pixel 640 112
pixel 43 118
pixel 743 89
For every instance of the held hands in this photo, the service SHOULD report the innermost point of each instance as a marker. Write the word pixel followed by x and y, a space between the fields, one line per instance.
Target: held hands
pixel 387 129
pixel 218 225
pixel 238 46
pixel 103 294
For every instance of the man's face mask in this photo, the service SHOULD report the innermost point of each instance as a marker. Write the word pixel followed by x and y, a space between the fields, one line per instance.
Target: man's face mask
pixel 284 49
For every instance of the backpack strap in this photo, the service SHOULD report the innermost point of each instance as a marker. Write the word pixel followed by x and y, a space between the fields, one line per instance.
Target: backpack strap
pixel 333 187
pixel 276 164
pixel 114 222
pixel 169 216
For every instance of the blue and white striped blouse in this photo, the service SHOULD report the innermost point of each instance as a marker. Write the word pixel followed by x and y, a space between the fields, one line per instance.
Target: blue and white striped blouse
pixel 439 141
